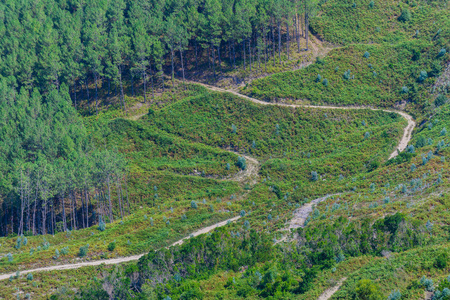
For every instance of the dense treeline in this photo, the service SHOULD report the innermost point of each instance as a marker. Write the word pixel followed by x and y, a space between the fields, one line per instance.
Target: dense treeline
pixel 47 43
pixel 55 52
pixel 265 270
pixel 50 171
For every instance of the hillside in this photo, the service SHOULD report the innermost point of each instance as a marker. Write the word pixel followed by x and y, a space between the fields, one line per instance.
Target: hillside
pixel 224 149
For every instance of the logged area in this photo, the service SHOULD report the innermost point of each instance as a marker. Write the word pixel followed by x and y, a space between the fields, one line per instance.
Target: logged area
pixel 218 149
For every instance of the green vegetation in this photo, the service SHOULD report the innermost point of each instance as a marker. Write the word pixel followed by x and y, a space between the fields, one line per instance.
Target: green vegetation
pixel 105 156
pixel 390 75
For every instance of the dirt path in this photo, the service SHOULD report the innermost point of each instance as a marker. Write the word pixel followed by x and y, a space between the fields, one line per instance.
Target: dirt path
pixel 302 213
pixel 330 292
pixel 250 174
pixel 403 143
pixel 115 260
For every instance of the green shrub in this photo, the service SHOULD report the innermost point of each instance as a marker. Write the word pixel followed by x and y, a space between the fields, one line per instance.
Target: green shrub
pixel 373 165
pixel 405 16
pixel 440 100
pixel 395 295
pixel 83 251
pixel 427 283
pixel 111 246
pixel 442 52
pixel 65 250
pixel 366 54
pixel 421 142
pixel 314 176
pixel 194 205
pixel 101 225
pixel 241 163
pixel 371 4
pixel 347 75
pixel 320 61
pixel 367 290
pixel 233 129
pixel 422 76
pixel 18 243
pixel 441 261
pixel 30 277
pixel 325 82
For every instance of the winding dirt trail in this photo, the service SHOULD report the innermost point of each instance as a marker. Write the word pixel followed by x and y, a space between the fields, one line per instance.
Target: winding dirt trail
pixel 115 260
pixel 302 213
pixel 250 173
pixel 403 143
pixel 330 292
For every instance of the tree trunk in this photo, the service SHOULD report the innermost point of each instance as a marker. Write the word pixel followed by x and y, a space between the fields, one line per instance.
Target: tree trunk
pixel 64 214
pixel 53 219
pixel 273 42
pixel 250 53
pixel 306 29
pixel 220 59
pixel 234 55
pixel 86 193
pixel 121 90
pixel 173 68
pixel 75 93
pixel 132 83
pixel 213 61
pixel 243 48
pixel 182 67
pixel 297 37
pixel 144 75
pixel 279 40
pixel 259 50
pixel 111 218
pixel 229 53
pixel 96 93
pixel 87 93
pixel 35 204
pixel 82 209
pixel 74 210
pixel 162 73
pixel 119 194
pixel 22 204
pixel 126 190
pixel 151 76
pixel 288 37
pixel 44 216
pixel 265 50
pixel 196 56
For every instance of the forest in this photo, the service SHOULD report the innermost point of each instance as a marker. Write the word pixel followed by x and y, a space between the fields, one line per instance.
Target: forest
pixel 224 149
pixel 55 54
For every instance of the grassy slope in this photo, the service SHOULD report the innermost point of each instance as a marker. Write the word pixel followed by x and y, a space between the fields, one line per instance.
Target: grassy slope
pixel 145 146
pixel 397 56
